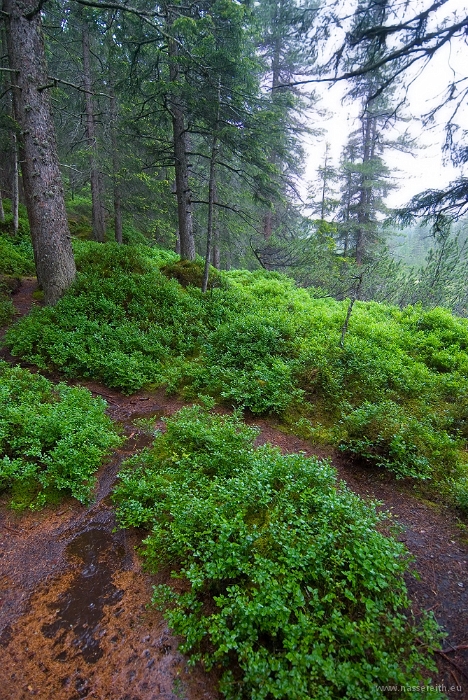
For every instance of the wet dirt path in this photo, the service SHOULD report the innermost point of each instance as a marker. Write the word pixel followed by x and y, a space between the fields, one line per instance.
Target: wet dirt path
pixel 74 621
pixel 73 616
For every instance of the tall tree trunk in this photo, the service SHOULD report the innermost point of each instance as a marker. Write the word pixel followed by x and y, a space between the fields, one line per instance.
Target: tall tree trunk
pixel 42 183
pixel 184 198
pixel 268 218
pixel 212 192
pixel 3 156
pixel 216 252
pixel 115 169
pixel 365 193
pixel 97 187
pixel 118 216
pixel 349 181
pixel 267 225
pixel 325 182
pixel 211 206
pixel 216 255
pixel 15 184
pixel 181 165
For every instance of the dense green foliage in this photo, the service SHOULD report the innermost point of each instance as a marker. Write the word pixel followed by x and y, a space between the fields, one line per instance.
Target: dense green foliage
pixel 396 393
pixel 52 438
pixel 292 590
pixel 6 307
pixel 16 253
pixel 16 258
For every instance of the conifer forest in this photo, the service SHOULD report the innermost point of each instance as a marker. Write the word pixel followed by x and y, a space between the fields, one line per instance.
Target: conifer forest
pixel 233 349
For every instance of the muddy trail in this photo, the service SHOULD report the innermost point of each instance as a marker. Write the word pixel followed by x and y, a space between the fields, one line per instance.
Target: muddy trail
pixel 73 616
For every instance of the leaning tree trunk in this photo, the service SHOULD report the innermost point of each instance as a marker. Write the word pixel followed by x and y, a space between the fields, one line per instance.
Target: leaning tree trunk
pixel 42 183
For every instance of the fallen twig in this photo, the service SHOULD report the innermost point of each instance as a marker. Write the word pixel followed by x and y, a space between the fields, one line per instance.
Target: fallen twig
pixel 444 656
pixel 460 646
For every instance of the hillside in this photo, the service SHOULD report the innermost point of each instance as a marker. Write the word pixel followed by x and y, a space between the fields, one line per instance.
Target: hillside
pixel 388 405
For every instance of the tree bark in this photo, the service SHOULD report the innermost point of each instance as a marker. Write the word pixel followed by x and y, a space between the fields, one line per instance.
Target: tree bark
pixel 212 191
pixel 15 184
pixel 115 169
pixel 118 216
pixel 183 193
pixel 325 182
pixel 211 206
pixel 268 218
pixel 216 251
pixel 97 187
pixel 365 196
pixel 2 211
pixel 216 254
pixel 42 182
pixel 268 224
pixel 349 180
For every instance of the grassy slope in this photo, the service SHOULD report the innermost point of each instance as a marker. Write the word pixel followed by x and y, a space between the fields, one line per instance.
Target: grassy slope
pixel 396 393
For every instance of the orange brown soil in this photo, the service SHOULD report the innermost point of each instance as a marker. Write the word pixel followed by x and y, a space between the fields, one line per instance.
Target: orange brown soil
pixel 73 617
pixel 74 621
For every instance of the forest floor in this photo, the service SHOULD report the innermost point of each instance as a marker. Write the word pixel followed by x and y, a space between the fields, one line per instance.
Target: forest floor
pixel 74 621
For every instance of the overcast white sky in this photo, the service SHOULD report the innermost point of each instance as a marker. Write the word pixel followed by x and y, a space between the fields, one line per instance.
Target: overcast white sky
pixel 422 171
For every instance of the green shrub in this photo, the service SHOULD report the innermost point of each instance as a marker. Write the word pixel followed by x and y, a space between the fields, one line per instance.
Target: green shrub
pixel 8 285
pixel 7 226
pixel 460 493
pixel 260 343
pixel 114 324
pixel 7 310
pixel 79 214
pixel 15 259
pixel 106 260
pixel 292 591
pixel 52 438
pixel 132 236
pixel 190 272
pixel 384 434
pixel 246 363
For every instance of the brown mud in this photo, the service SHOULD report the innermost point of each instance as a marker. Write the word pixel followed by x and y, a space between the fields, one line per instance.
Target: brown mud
pixel 73 616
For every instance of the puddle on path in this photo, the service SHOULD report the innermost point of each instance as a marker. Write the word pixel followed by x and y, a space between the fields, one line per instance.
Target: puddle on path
pixel 81 607
pixel 77 623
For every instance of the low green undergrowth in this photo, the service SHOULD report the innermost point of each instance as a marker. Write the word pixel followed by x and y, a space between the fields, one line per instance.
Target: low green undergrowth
pixel 289 588
pixel 16 258
pixel 395 393
pixel 52 438
pixel 388 436
pixel 16 253
pixel 188 272
pixel 7 310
